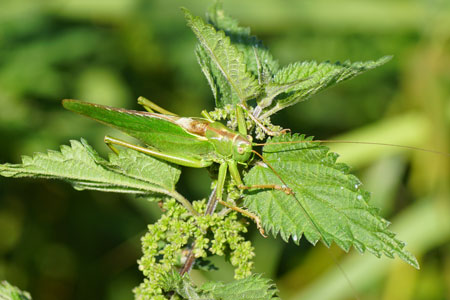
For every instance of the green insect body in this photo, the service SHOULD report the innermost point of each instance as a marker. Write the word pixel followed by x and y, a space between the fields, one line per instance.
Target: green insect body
pixel 228 143
pixel 191 142
pixel 195 142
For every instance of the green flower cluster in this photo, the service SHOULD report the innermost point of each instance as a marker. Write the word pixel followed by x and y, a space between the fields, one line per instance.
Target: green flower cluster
pixel 259 132
pixel 164 245
pixel 229 113
pixel 222 113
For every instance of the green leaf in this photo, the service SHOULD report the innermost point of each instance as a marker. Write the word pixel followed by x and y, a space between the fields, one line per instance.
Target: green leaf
pixel 228 61
pixel 9 292
pixel 79 164
pixel 316 78
pixel 274 89
pixel 258 59
pixel 253 287
pixel 174 282
pixel 327 204
pixel 220 87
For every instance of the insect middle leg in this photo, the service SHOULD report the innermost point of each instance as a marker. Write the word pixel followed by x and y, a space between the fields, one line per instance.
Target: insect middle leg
pixel 234 172
pixel 219 193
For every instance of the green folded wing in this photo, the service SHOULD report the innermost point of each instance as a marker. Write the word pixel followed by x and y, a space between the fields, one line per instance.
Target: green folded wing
pixel 155 130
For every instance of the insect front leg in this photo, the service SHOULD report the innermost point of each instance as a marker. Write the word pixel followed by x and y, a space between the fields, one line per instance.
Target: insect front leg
pixel 242 126
pixel 261 125
pixel 221 180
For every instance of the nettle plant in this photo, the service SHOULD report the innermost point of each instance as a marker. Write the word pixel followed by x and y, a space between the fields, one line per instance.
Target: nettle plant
pixel 294 188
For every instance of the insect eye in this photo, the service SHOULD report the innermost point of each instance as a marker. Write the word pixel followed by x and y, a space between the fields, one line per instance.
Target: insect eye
pixel 241 150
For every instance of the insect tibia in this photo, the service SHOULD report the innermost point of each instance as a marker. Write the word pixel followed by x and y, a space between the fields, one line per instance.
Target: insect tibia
pixel 277 187
pixel 265 129
pixel 246 213
pixel 287 190
pixel 262 127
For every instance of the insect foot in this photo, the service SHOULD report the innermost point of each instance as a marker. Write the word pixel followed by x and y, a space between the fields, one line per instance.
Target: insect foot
pixel 285 189
pixel 259 226
pixel 284 131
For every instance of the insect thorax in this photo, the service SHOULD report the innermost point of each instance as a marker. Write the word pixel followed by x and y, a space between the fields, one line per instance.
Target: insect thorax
pixel 228 144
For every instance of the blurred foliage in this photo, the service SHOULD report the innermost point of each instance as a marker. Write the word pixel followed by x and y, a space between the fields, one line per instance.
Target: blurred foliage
pixel 57 243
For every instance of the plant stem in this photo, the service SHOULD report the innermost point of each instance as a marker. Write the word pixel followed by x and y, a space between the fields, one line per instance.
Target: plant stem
pixel 270 112
pixel 210 207
pixel 212 203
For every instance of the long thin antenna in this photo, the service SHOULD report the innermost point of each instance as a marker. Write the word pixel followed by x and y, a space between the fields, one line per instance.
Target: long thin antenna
pixel 273 170
pixel 324 240
pixel 349 282
pixel 356 142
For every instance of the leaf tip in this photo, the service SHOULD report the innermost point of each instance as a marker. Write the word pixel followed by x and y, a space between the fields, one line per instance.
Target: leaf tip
pixel 68 103
pixel 385 59
pixel 187 14
pixel 410 259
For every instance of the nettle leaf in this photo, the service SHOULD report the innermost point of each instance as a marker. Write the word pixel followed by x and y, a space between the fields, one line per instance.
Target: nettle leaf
pixel 316 77
pixel 327 204
pixel 220 87
pixel 258 59
pixel 82 166
pixel 253 287
pixel 174 282
pixel 228 61
pixel 272 90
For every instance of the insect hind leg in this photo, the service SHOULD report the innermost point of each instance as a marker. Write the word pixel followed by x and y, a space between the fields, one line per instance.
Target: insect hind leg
pixel 151 106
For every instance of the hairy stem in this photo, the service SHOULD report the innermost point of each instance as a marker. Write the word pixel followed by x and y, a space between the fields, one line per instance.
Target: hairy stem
pixel 190 260
pixel 271 111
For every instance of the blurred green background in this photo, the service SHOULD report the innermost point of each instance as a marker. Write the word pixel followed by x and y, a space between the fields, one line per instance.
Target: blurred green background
pixel 61 244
